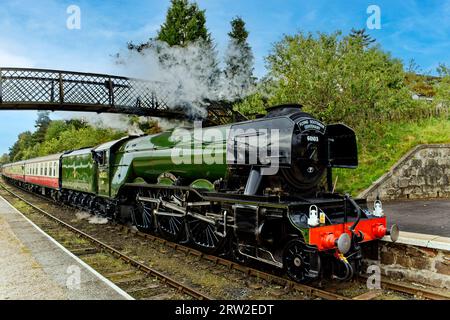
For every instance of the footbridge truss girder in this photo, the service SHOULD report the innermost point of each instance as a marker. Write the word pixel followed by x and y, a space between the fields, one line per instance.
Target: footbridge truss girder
pixel 41 89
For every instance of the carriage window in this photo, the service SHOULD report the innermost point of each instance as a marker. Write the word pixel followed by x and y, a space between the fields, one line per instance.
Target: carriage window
pixel 41 169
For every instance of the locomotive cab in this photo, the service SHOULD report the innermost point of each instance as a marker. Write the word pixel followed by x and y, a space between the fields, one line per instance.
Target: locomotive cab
pixel 298 151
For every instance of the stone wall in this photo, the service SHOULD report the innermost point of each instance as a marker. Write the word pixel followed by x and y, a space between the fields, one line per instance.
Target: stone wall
pixel 427 266
pixel 422 173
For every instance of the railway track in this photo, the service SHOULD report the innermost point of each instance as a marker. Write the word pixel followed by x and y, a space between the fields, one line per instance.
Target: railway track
pixel 103 247
pixel 306 290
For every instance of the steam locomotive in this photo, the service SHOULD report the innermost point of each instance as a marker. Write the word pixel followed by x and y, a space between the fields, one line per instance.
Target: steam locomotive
pixel 258 190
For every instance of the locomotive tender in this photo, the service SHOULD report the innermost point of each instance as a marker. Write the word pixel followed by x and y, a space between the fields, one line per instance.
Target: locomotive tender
pixel 256 190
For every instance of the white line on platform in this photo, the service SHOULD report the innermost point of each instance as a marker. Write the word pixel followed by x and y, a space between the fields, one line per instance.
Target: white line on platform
pixel 84 264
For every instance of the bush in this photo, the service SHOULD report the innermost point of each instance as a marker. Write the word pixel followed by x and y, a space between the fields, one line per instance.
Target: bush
pixel 338 79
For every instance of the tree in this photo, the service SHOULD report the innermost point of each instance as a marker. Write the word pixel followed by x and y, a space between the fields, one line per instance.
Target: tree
pixel 337 81
pixel 182 55
pixel 25 141
pixel 238 32
pixel 442 98
pixel 60 136
pixel 4 159
pixel 185 23
pixel 42 123
pixel 362 37
pixel 239 61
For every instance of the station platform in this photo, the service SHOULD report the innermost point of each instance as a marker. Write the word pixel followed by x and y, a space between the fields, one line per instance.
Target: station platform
pixel 34 266
pixel 420 216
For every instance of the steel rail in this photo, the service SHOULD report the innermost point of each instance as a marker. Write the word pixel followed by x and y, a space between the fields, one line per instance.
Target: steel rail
pixel 403 288
pixel 140 266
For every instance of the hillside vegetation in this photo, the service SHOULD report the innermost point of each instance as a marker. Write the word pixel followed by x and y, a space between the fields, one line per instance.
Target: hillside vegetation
pixel 381 145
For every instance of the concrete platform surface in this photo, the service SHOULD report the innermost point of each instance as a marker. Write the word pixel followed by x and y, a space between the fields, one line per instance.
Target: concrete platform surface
pixel 422 240
pixel 420 216
pixel 34 266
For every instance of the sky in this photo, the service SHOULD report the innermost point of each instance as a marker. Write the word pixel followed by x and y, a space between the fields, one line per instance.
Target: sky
pixel 35 34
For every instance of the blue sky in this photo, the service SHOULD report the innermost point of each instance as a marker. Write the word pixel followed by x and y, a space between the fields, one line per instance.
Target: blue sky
pixel 34 33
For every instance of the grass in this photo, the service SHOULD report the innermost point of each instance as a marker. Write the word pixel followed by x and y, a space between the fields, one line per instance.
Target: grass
pixel 381 145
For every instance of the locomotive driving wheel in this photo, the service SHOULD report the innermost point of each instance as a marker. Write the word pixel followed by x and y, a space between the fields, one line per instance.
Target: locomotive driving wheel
pixel 142 215
pixel 300 262
pixel 203 236
pixel 170 224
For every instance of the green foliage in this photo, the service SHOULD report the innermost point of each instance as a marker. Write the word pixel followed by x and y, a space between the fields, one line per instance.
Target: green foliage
pixel 60 136
pixel 41 126
pixel 362 37
pixel 72 138
pixel 22 147
pixel 184 45
pixel 421 84
pixel 4 159
pixel 381 145
pixel 253 105
pixel 185 23
pixel 442 98
pixel 256 103
pixel 238 31
pixel 336 80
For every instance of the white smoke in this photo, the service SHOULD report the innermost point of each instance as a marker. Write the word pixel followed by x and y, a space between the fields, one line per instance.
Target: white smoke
pixel 97 220
pixel 238 79
pixel 82 215
pixel 186 76
pixel 92 219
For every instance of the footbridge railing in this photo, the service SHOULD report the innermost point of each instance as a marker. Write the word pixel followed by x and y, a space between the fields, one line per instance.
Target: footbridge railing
pixel 41 89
